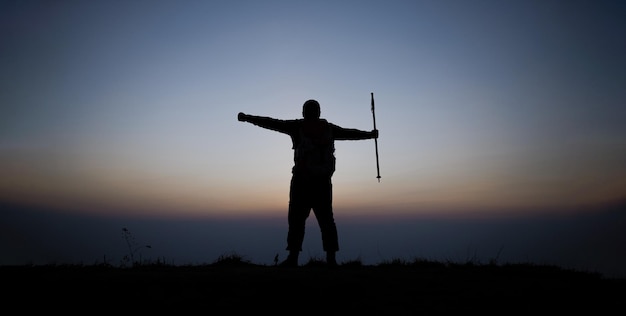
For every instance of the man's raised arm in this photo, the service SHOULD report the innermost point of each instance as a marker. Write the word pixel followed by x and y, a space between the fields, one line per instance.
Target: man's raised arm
pixel 340 133
pixel 281 126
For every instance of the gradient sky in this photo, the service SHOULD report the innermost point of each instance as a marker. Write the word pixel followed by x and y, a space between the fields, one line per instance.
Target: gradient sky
pixel 491 107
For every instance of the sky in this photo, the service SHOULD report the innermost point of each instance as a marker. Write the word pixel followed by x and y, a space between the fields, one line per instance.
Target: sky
pixel 500 125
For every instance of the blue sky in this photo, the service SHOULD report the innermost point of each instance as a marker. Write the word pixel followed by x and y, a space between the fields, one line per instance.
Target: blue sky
pixel 495 109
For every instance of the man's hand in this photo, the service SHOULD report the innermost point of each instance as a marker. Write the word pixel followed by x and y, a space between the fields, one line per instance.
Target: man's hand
pixel 242 117
pixel 375 133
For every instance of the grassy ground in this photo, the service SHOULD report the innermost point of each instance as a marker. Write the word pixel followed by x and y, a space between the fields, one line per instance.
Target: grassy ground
pixel 232 285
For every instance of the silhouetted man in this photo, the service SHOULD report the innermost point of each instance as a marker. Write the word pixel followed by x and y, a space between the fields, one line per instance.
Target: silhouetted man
pixel 314 164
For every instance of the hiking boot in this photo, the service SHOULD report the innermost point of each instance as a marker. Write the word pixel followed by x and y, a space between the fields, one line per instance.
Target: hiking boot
pixel 331 261
pixel 291 261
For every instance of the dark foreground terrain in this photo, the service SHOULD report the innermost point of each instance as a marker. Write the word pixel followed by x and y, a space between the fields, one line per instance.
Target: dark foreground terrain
pixel 350 289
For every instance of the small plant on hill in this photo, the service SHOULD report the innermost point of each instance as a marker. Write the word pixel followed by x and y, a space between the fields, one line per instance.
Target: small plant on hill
pixel 133 248
pixel 231 260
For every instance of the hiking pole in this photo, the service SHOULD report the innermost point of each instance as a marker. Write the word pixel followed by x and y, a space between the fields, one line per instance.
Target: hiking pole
pixel 375 140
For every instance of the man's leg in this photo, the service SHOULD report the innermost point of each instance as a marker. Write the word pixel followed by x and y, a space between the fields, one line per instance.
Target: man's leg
pixel 323 211
pixel 330 239
pixel 295 235
pixel 297 215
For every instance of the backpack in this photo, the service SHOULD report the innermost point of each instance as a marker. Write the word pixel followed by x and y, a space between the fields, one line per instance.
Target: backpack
pixel 314 154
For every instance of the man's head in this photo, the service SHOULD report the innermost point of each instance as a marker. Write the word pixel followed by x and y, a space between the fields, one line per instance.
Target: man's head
pixel 311 109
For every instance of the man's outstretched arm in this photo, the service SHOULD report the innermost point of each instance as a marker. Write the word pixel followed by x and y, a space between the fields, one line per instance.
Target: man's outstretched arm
pixel 340 133
pixel 281 126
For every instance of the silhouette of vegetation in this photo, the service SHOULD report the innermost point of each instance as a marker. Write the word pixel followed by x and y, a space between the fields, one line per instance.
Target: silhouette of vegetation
pixel 396 286
pixel 392 287
pixel 231 260
pixel 133 248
